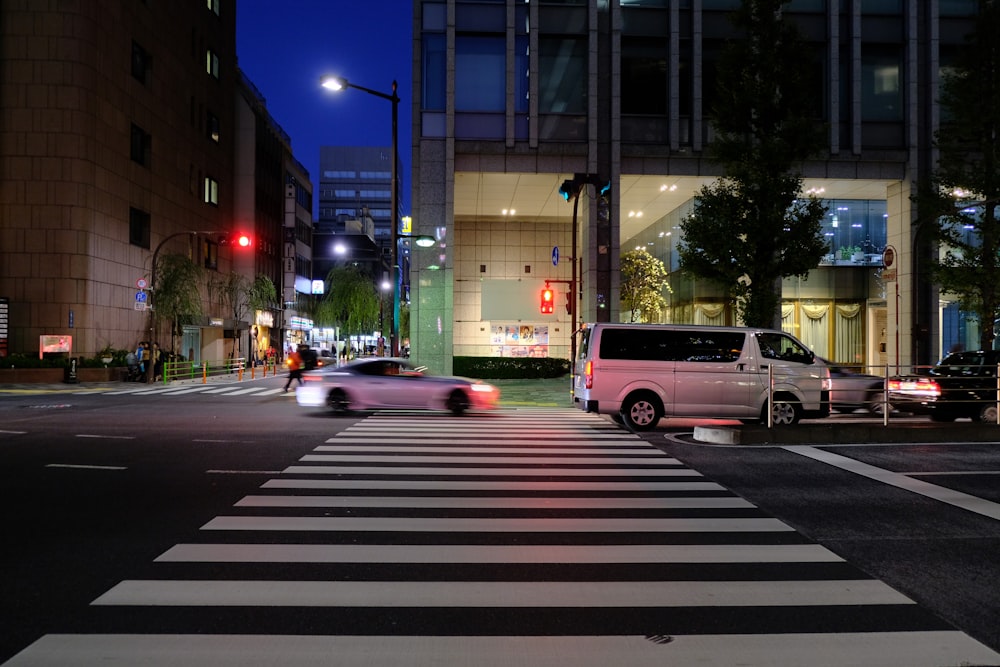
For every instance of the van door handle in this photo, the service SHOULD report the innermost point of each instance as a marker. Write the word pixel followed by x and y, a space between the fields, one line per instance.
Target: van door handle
pixel 763 365
pixel 740 367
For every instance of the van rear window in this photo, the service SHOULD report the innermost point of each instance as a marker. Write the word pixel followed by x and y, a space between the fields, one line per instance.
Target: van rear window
pixel 671 345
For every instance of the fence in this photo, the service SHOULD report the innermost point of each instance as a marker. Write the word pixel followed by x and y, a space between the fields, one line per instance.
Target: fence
pixel 194 370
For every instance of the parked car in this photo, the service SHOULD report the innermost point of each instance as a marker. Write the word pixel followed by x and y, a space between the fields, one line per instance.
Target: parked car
pixel 385 382
pixel 963 384
pixel 850 390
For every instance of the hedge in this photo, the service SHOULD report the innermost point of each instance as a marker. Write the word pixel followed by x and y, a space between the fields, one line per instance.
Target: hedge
pixel 61 361
pixel 509 368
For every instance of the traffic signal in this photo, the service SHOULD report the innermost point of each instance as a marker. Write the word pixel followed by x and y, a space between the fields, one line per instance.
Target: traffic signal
pixel 548 305
pixel 238 239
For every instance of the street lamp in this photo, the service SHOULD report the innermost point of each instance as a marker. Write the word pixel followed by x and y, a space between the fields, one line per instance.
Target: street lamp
pixel 337 83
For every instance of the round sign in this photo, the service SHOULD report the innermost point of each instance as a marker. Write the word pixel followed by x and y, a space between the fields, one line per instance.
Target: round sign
pixel 888 256
pixel 141 283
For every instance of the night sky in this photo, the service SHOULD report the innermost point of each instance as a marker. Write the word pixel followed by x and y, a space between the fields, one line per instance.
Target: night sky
pixel 285 47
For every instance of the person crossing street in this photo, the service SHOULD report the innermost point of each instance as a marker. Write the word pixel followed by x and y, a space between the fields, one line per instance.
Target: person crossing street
pixel 294 361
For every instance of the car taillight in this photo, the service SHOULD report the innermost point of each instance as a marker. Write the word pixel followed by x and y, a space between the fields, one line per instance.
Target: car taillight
pixel 923 387
pixel 588 375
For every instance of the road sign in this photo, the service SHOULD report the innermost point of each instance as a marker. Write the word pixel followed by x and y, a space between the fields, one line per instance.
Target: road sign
pixel 141 283
pixel 140 297
pixel 140 305
pixel 555 255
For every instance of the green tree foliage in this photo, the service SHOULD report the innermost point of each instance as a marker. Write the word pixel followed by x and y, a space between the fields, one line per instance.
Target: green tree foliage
pixel 752 227
pixel 177 297
pixel 351 302
pixel 240 297
pixel 959 206
pixel 643 279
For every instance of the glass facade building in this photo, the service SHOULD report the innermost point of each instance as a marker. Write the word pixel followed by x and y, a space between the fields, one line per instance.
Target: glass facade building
pixel 514 97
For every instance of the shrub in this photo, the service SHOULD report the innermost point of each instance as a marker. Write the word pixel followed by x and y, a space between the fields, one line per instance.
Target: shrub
pixel 504 368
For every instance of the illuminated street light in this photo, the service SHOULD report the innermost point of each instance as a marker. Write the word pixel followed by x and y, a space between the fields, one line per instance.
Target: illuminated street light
pixel 337 83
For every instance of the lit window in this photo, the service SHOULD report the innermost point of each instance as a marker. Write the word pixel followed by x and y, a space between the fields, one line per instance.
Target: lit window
pixel 212 63
pixel 211 191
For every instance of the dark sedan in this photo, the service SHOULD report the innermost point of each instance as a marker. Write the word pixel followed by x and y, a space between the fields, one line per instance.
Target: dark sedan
pixel 963 384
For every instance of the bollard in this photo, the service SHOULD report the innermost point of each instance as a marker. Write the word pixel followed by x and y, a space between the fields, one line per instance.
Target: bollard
pixel 204 372
pixel 253 371
pixel 240 375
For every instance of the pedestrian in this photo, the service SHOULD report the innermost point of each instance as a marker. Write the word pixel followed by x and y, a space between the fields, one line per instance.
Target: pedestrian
pixel 294 361
pixel 156 358
pixel 140 357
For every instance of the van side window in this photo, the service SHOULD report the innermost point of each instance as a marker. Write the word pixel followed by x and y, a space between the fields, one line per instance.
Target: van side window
pixel 784 348
pixel 671 345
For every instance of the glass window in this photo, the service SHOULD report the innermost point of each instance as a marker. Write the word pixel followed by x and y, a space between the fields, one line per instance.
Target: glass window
pixel 434 81
pixel 213 6
pixel 521 72
pixel 881 88
pixel 212 63
pixel 644 76
pixel 140 145
pixel 480 74
pixel 856 231
pixel 140 62
pixel 213 128
pixel 881 6
pixel 435 15
pixel 138 228
pixel 211 191
pixel 562 65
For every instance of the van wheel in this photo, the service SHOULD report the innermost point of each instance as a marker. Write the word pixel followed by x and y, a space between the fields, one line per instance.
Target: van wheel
pixel 783 412
pixel 641 411
pixel 988 414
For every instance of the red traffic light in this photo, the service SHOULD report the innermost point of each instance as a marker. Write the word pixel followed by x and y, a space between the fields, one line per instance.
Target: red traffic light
pixel 236 239
pixel 548 306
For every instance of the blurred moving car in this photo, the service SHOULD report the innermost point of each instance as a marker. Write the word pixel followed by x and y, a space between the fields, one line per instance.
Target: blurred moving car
pixel 324 357
pixel 850 390
pixel 963 384
pixel 383 382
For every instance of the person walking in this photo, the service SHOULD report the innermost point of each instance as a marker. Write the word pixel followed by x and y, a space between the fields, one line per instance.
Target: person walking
pixel 294 361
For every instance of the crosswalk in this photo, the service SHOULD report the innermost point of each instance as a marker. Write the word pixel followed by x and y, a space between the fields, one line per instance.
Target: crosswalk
pixel 528 537
pixel 245 389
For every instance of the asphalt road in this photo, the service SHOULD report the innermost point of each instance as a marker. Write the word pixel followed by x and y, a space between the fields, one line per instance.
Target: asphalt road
pixel 98 487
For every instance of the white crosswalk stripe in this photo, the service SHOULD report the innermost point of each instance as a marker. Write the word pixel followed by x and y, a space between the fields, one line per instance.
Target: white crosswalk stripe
pixel 230 390
pixel 527 538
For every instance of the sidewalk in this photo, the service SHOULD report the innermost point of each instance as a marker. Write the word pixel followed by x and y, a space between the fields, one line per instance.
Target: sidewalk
pixel 538 392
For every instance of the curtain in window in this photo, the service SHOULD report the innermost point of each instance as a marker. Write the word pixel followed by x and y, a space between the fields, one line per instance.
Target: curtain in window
pixel 788 318
pixel 709 313
pixel 849 333
pixel 815 328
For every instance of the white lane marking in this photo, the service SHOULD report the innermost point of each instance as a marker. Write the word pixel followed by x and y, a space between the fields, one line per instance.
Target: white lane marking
pixel 499 457
pixel 242 472
pixel 506 502
pixel 481 525
pixel 84 466
pixel 105 437
pixel 13 432
pixel 463 445
pixel 524 486
pixel 491 472
pixel 507 594
pixel 901 480
pixel 890 649
pixel 583 440
pixel 475 553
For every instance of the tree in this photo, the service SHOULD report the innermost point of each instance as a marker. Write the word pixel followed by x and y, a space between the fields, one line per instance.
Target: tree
pixel 752 227
pixel 351 303
pixel 177 298
pixel 959 206
pixel 241 297
pixel 643 278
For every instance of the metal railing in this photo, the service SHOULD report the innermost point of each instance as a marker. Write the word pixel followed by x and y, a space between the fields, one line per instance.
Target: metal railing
pixel 194 370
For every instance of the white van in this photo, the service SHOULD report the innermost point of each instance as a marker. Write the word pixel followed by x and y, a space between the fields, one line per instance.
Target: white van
pixel 640 373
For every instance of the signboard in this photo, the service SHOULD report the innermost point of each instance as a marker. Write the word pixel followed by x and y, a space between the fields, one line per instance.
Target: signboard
pixel 140 296
pixel 50 344
pixel 4 309
pixel 888 258
pixel 555 255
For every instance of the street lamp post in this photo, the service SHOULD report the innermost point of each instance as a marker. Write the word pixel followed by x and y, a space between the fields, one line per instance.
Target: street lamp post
pixel 339 83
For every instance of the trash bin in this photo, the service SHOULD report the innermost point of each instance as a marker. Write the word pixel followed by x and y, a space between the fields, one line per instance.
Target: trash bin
pixel 69 376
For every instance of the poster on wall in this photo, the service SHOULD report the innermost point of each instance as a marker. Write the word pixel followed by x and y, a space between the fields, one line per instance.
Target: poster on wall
pixel 519 340
pixel 4 306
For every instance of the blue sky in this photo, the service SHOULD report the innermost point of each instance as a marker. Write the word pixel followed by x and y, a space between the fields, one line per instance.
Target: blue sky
pixel 285 47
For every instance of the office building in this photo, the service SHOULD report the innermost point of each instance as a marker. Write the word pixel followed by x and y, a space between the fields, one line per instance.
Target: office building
pixel 514 98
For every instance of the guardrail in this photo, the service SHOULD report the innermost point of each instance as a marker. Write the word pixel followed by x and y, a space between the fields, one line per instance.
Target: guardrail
pixel 193 370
